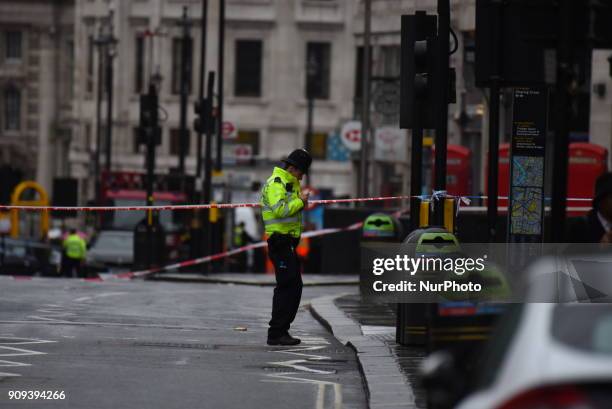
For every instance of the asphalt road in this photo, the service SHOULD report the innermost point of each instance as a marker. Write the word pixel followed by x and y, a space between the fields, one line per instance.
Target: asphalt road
pixel 164 345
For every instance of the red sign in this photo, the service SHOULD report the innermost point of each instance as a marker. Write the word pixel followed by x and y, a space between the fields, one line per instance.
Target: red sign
pixel 586 162
pixel 458 170
pixel 229 131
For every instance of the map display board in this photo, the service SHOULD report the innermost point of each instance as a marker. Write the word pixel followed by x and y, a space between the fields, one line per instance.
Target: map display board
pixel 529 128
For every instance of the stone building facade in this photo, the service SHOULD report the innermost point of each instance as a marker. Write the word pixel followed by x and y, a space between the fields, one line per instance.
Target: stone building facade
pixel 36 84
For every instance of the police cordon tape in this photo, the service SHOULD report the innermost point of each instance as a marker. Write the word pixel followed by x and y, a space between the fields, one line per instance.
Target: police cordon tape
pixel 187 207
pixel 435 196
pixel 229 253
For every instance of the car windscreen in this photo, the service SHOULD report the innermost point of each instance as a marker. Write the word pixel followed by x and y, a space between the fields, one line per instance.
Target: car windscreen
pixel 127 220
pixel 114 242
pixel 587 327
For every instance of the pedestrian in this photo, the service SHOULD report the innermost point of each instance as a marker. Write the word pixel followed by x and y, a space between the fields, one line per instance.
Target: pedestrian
pixel 240 238
pixel 282 204
pixel 596 226
pixel 75 251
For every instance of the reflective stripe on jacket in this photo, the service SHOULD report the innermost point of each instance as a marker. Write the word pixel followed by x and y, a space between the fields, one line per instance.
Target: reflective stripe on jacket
pixel 281 204
pixel 75 247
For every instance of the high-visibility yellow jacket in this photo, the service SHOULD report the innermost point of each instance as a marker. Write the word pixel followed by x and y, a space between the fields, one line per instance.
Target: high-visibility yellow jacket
pixel 238 236
pixel 281 204
pixel 75 247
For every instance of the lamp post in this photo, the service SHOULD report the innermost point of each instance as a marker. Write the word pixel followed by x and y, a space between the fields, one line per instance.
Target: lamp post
pixel 312 68
pixel 185 79
pixel 110 43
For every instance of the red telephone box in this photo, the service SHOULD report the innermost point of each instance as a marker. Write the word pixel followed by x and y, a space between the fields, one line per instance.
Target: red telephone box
pixel 458 170
pixel 586 162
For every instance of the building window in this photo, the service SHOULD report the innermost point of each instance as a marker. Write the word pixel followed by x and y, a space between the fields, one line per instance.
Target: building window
pixel 249 138
pixel 13 45
pixel 90 64
pixel 318 68
pixel 317 145
pixel 247 82
pixel 139 64
pixel 389 59
pixel 175 142
pixel 12 109
pixel 177 49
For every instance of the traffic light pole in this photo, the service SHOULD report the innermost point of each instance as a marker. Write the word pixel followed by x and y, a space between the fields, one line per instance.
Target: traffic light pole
pixel 561 140
pixel 207 180
pixel 221 63
pixel 203 27
pixel 150 142
pixel 494 90
pixel 493 169
pixel 365 103
pixel 441 98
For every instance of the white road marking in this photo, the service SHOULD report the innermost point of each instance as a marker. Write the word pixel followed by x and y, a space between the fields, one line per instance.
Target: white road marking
pixel 110 324
pixel 101 295
pixel 21 341
pixel 314 344
pixel 10 351
pixel 18 351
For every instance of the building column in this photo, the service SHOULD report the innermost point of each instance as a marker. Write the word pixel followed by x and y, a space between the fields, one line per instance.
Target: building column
pixel 47 112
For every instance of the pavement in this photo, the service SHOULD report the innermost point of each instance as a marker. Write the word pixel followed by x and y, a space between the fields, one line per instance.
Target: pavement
pixel 145 344
pixel 389 369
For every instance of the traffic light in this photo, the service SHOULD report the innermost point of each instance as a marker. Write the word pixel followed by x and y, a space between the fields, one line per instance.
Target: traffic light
pixel 201 115
pixel 419 44
pixel 600 29
pixel 149 121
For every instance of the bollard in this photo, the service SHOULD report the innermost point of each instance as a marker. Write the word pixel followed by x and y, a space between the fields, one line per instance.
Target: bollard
pixel 149 243
pixel 412 323
pixel 379 228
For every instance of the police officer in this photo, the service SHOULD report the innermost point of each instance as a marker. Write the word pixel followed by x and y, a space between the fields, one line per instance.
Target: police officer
pixel 75 251
pixel 239 239
pixel 282 203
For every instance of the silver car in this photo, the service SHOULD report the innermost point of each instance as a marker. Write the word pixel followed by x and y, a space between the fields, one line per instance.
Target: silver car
pixel 111 249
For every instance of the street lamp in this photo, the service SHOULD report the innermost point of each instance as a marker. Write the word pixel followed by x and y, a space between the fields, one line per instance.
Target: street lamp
pixel 105 42
pixel 312 68
pixel 156 80
pixel 111 43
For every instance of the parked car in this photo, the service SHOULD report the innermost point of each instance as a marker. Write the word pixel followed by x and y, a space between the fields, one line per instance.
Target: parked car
pixel 542 354
pixel 111 250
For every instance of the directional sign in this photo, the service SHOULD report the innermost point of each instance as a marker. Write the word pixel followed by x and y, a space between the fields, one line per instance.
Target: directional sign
pixel 351 135
pixel 229 130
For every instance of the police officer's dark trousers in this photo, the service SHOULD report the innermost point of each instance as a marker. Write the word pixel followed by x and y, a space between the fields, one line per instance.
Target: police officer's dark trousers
pixel 288 290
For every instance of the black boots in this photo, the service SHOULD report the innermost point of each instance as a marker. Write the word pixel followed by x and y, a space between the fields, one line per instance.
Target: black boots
pixel 285 339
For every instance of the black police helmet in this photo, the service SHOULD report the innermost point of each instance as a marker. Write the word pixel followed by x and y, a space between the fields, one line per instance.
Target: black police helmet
pixel 299 158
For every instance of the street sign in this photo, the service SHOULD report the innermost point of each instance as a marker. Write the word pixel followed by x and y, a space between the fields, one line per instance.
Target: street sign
pixel 351 135
pixel 390 144
pixel 237 153
pixel 529 127
pixel 229 130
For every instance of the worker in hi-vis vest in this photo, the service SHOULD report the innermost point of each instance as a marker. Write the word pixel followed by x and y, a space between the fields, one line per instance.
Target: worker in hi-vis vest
pixel 282 204
pixel 75 251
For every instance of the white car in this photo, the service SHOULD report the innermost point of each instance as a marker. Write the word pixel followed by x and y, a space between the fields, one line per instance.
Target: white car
pixel 553 356
pixel 554 352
